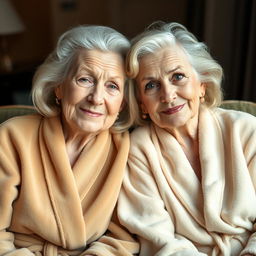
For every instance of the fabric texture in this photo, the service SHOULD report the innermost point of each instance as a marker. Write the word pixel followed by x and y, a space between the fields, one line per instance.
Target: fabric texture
pixel 46 207
pixel 9 111
pixel 240 105
pixel 173 212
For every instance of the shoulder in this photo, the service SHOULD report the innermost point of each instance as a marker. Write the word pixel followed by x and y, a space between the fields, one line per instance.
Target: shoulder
pixel 121 138
pixel 140 134
pixel 234 115
pixel 142 144
pixel 21 124
pixel 236 120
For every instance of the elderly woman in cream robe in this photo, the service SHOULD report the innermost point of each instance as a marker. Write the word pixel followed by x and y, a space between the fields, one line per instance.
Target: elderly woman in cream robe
pixel 61 170
pixel 190 185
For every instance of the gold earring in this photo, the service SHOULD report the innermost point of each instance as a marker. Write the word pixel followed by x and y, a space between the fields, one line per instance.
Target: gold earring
pixel 57 101
pixel 144 116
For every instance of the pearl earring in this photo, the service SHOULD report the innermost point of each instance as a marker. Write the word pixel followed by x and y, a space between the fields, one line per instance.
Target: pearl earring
pixel 202 99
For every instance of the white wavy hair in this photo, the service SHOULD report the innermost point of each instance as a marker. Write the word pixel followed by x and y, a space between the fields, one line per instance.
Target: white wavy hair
pixel 58 66
pixel 159 35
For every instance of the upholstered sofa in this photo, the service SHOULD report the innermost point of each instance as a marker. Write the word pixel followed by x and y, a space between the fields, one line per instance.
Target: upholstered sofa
pixel 245 106
pixel 16 110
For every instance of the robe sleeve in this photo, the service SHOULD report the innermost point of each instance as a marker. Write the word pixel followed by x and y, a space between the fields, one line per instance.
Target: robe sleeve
pixel 141 210
pixel 116 242
pixel 250 155
pixel 9 182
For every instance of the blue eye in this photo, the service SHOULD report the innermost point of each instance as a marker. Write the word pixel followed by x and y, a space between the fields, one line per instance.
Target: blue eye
pixel 85 81
pixel 178 77
pixel 113 87
pixel 151 85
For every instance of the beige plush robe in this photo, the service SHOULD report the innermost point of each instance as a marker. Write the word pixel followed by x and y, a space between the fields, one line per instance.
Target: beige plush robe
pixel 48 208
pixel 172 212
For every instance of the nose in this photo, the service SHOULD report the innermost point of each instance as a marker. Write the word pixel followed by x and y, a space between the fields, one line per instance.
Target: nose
pixel 96 97
pixel 168 93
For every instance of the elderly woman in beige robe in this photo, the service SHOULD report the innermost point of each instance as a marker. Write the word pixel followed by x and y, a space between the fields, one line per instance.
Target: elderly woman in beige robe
pixel 61 169
pixel 190 185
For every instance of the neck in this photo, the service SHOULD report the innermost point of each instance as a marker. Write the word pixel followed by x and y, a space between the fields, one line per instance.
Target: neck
pixel 76 141
pixel 186 135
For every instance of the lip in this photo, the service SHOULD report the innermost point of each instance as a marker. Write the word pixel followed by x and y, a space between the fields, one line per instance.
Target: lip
pixel 173 110
pixel 91 113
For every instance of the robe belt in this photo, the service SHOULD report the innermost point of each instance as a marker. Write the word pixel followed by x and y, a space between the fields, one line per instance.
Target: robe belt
pixel 41 247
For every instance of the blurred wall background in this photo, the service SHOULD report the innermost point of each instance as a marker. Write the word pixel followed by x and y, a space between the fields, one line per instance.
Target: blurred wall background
pixel 227 26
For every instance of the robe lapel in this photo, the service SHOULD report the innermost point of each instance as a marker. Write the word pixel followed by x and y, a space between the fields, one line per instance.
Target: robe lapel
pixel 110 158
pixel 202 200
pixel 91 162
pixel 84 198
pixel 61 184
pixel 179 173
pixel 212 164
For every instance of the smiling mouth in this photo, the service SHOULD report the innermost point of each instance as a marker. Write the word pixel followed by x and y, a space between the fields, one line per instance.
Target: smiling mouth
pixel 173 110
pixel 91 113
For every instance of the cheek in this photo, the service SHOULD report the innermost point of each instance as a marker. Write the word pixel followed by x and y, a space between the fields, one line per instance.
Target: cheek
pixel 114 106
pixel 194 103
pixel 145 104
pixel 192 90
pixel 68 109
pixel 194 106
pixel 153 101
pixel 69 101
pixel 189 92
pixel 72 97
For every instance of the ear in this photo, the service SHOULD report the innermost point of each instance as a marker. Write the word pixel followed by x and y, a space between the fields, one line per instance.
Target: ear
pixel 58 93
pixel 202 89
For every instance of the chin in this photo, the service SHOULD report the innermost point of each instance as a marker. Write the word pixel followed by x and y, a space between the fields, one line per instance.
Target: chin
pixel 89 129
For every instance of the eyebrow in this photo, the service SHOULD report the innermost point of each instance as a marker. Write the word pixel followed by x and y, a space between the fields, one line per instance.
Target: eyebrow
pixel 167 72
pixel 90 72
pixel 173 70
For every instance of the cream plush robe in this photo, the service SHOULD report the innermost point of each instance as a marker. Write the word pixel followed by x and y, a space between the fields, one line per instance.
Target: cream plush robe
pixel 48 208
pixel 171 211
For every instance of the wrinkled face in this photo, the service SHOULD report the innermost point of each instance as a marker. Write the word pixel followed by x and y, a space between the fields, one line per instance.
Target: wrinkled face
pixel 92 97
pixel 169 88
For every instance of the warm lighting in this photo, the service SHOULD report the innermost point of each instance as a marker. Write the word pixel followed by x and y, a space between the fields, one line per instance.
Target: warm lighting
pixel 10 24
